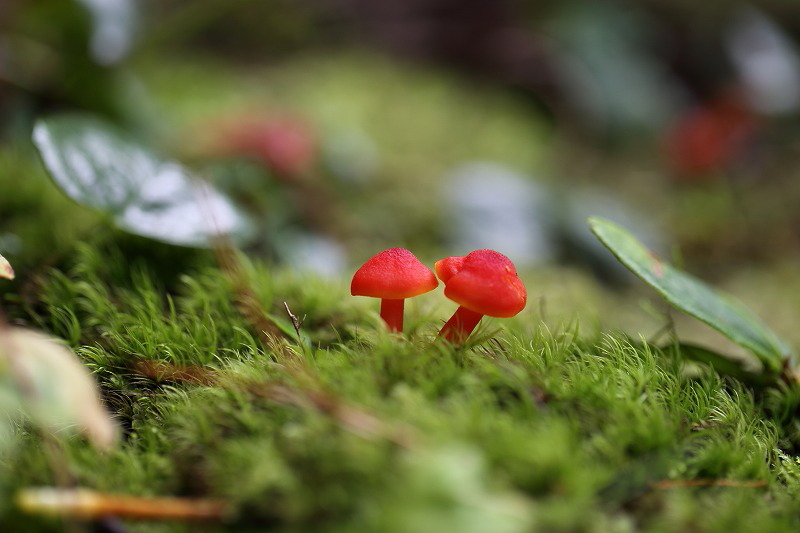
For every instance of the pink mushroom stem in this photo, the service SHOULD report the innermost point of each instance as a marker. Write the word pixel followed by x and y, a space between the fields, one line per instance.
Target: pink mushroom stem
pixel 460 325
pixel 392 314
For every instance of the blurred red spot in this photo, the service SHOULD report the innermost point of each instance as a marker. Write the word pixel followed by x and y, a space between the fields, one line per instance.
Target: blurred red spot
pixel 711 138
pixel 286 145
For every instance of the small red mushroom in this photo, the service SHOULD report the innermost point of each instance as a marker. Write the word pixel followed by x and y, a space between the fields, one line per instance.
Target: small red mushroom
pixel 393 275
pixel 483 282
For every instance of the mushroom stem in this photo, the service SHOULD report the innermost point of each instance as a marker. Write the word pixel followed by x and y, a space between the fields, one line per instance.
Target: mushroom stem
pixel 460 325
pixel 392 314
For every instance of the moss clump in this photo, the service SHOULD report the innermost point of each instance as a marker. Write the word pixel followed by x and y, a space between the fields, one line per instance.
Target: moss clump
pixel 515 432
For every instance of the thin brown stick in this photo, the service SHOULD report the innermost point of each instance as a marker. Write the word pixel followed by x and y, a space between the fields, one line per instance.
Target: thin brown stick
pixel 87 504
pixel 296 322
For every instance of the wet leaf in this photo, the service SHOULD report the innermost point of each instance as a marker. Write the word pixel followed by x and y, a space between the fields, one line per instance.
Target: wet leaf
pixel 99 165
pixel 694 297
pixel 42 378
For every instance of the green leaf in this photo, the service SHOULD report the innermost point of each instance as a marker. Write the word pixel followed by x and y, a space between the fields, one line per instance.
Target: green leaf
pixel 694 297
pixel 100 166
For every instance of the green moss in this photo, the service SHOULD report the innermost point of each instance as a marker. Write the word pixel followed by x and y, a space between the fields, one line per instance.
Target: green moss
pixel 516 431
pixel 532 426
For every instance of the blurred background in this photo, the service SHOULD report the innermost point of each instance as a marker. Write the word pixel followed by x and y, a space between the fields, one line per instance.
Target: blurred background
pixel 344 127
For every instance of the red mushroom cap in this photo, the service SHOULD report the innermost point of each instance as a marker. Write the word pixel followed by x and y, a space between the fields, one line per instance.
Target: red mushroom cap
pixel 394 274
pixel 445 268
pixel 483 281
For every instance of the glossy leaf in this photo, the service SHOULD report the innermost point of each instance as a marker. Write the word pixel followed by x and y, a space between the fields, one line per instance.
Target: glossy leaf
pixel 98 165
pixel 692 296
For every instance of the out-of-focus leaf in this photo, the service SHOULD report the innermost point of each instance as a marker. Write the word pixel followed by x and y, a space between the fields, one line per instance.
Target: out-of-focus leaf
pixel 47 383
pixel 113 29
pixel 5 269
pixel 98 165
pixel 602 47
pixel 692 296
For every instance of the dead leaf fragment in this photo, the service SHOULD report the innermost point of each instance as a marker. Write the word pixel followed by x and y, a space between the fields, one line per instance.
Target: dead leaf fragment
pixel 5 269
pixel 54 389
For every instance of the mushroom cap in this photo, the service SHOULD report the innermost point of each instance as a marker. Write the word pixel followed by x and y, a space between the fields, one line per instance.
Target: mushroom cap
pixel 483 281
pixel 394 274
pixel 445 268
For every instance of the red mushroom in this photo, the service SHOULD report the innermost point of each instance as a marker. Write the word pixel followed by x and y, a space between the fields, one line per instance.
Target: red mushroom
pixel 483 282
pixel 393 275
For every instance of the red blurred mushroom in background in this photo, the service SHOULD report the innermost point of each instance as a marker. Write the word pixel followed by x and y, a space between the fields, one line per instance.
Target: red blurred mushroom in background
pixel 712 138
pixel 287 145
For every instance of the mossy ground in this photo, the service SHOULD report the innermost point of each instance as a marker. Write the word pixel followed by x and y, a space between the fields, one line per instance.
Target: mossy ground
pixel 524 429
pixel 540 423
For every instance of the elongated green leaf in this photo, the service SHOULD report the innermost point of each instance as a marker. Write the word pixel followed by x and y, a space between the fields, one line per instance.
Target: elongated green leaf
pixel 98 165
pixel 693 296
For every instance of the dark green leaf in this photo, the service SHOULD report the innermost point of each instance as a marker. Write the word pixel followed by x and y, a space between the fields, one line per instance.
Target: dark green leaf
pixel 694 297
pixel 98 165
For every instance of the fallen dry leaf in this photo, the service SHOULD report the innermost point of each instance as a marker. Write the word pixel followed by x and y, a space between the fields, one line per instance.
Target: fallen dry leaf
pixel 54 388
pixel 5 269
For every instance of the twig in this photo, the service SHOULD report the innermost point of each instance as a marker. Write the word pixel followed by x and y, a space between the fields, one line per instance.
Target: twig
pixel 88 504
pixel 295 321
